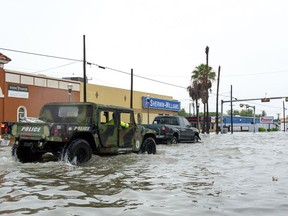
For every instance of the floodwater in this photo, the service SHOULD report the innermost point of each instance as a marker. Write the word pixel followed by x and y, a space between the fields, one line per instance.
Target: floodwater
pixel 225 174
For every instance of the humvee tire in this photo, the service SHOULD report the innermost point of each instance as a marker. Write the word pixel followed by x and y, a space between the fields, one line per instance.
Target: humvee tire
pixel 25 154
pixel 78 152
pixel 149 146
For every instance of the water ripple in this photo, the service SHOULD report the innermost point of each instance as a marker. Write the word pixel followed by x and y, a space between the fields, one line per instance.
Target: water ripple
pixel 223 175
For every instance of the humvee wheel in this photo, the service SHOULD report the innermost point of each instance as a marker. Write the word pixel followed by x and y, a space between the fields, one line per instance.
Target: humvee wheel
pixel 149 146
pixel 25 154
pixel 78 152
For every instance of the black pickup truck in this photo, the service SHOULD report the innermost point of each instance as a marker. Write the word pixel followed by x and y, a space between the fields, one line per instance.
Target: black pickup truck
pixel 173 129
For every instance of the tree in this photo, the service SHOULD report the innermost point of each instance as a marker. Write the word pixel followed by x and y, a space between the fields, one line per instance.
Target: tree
pixel 242 112
pixel 182 112
pixel 201 82
pixel 194 92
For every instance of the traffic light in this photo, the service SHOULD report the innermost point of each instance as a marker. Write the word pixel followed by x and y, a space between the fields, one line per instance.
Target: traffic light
pixel 286 99
pixel 265 100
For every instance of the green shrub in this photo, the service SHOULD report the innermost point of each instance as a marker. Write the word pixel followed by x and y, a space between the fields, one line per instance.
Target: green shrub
pixel 261 129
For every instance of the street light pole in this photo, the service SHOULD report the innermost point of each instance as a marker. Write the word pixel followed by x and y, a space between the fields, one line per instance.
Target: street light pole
pixel 70 87
pixel 284 119
pixel 84 69
pixel 254 122
pixel 148 104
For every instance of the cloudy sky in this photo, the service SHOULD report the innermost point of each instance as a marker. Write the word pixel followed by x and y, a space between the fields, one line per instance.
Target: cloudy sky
pixel 160 39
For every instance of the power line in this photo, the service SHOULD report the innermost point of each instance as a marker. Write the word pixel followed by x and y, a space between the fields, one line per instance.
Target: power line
pixel 142 77
pixel 55 67
pixel 89 63
pixel 43 55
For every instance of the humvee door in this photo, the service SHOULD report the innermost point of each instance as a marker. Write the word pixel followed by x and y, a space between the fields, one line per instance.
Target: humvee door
pixel 108 133
pixel 116 129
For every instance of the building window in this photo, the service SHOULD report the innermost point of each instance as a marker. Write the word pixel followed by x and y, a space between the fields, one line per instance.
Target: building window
pixel 21 113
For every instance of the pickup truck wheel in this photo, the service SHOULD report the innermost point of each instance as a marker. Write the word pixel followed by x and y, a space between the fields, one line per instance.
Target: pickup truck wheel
pixel 174 140
pixel 196 138
pixel 149 146
pixel 78 152
pixel 25 154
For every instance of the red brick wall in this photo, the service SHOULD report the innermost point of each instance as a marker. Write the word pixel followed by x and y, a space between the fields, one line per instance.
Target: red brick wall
pixel 38 96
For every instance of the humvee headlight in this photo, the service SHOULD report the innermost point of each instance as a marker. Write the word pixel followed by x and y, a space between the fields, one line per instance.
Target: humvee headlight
pixel 46 131
pixel 14 130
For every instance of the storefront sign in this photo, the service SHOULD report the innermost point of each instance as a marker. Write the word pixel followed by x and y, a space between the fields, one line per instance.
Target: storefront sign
pixel 156 103
pixel 266 119
pixel 18 91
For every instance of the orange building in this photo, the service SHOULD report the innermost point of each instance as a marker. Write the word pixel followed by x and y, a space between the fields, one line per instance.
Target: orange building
pixel 23 94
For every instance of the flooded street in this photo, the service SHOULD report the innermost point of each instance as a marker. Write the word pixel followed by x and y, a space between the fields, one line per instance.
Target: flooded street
pixel 239 174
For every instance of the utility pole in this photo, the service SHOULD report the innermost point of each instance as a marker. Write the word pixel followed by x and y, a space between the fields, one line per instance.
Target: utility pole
pixel 131 90
pixel 231 112
pixel 222 119
pixel 217 98
pixel 84 69
pixel 284 119
pixel 206 91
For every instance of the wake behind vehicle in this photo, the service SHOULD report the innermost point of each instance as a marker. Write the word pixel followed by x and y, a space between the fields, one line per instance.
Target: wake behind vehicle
pixel 75 131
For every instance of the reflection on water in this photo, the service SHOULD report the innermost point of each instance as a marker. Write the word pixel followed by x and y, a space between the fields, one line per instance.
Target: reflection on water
pixel 224 175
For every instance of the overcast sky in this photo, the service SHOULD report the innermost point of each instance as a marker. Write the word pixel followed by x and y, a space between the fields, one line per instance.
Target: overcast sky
pixel 160 39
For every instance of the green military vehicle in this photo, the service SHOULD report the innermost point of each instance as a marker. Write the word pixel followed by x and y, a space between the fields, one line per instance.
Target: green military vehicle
pixel 75 131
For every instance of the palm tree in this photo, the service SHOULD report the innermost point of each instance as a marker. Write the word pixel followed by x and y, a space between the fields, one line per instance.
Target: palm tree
pixel 201 80
pixel 194 93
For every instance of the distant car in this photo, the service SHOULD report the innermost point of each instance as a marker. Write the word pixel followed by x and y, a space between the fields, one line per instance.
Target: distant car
pixel 173 129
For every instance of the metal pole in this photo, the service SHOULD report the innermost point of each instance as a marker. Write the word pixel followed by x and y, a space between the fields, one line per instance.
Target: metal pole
pixel 284 120
pixel 148 112
pixel 221 116
pixel 84 69
pixel 217 96
pixel 148 104
pixel 231 112
pixel 254 122
pixel 70 87
pixel 206 85
pixel 198 122
pixel 131 91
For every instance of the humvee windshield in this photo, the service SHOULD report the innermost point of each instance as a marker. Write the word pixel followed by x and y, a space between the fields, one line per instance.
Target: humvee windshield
pixel 79 114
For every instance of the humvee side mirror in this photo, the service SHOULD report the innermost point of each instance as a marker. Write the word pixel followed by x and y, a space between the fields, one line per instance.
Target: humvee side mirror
pixel 139 118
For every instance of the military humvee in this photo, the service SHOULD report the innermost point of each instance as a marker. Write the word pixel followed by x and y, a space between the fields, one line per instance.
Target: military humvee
pixel 75 131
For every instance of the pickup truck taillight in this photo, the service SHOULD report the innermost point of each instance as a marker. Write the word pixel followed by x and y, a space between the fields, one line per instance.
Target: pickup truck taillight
pixel 163 129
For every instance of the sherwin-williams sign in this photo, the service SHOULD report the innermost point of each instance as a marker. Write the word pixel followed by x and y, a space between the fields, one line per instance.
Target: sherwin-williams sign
pixel 18 91
pixel 156 103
